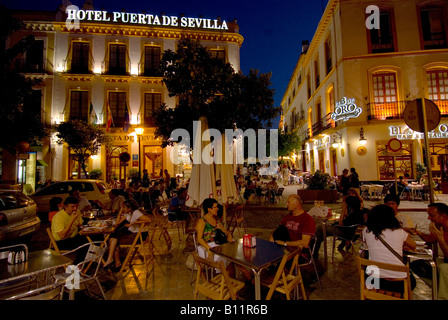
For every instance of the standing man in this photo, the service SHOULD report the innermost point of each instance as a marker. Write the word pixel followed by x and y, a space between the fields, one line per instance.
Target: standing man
pixel 438 233
pixel 297 228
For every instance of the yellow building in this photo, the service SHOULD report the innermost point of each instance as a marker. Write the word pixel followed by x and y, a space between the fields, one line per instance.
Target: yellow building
pixel 94 58
pixel 353 81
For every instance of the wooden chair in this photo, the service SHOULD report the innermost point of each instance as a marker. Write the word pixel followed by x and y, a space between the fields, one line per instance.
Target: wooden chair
pixel 379 294
pixel 219 287
pixel 138 245
pixel 53 245
pixel 236 215
pixel 287 278
pixel 160 224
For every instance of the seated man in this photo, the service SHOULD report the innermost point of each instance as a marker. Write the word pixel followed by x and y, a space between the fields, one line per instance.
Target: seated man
pixel 65 227
pixel 116 199
pixel 297 228
pixel 83 204
pixel 272 189
pixel 406 222
pixel 438 233
pixel 177 207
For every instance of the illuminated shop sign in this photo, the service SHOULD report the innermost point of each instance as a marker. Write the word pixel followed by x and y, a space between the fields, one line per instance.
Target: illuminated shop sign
pixel 75 15
pixel 405 133
pixel 345 109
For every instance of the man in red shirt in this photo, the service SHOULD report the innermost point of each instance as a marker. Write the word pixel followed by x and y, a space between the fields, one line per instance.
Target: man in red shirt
pixel 297 228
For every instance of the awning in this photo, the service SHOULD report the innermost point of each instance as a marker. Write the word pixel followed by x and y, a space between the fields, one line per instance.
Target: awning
pixel 41 163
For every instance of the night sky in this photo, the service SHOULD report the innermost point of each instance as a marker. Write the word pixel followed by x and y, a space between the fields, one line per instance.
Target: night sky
pixel 272 30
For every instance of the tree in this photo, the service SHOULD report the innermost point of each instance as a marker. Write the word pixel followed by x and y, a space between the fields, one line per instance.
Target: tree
pixel 82 138
pixel 17 122
pixel 210 87
pixel 288 142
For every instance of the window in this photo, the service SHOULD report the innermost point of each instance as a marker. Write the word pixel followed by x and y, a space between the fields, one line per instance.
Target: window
pixel 117 59
pixel 438 88
pixel 114 169
pixel 152 101
pixel 403 160
pixel 152 60
pixel 80 57
pixel 316 72
pixel 218 53
pixel 385 103
pixel 382 40
pixel 117 103
pixel 35 57
pixel 308 83
pixel 79 105
pixel 34 103
pixel 433 30
pixel 328 60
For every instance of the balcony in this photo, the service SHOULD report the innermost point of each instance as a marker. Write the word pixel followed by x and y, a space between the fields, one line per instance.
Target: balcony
pixel 319 127
pixel 394 110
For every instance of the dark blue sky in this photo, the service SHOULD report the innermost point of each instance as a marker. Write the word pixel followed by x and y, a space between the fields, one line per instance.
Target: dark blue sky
pixel 272 29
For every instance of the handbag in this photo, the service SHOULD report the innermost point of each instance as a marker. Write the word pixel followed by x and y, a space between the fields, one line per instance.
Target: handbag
pixel 220 237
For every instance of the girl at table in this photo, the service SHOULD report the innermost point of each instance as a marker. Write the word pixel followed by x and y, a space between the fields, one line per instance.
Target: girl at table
pixel 127 226
pixel 382 222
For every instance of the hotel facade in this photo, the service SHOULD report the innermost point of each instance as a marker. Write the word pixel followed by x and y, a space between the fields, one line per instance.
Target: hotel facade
pixel 97 60
pixel 352 82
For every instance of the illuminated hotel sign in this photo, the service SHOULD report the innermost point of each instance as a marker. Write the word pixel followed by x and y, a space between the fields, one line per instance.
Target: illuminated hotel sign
pixel 408 134
pixel 345 109
pixel 75 15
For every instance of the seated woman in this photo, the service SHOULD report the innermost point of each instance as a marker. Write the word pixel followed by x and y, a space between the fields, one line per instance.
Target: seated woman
pixel 382 222
pixel 56 205
pixel 127 226
pixel 206 229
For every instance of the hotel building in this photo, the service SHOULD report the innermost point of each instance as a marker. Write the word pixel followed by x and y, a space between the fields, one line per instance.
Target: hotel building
pixel 98 59
pixel 352 82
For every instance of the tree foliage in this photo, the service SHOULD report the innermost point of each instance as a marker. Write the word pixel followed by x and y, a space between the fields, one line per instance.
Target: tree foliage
pixel 17 123
pixel 210 87
pixel 288 142
pixel 82 138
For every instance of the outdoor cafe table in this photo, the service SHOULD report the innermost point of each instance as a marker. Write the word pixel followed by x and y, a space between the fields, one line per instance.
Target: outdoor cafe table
pixel 263 255
pixel 39 262
pixel 416 188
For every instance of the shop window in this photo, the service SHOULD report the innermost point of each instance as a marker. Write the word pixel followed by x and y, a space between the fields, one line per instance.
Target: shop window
pixel 80 57
pixel 438 88
pixel 152 101
pixel 403 161
pixel 117 59
pixel 79 105
pixel 382 40
pixel 152 61
pixel 433 32
pixel 117 103
pixel 385 104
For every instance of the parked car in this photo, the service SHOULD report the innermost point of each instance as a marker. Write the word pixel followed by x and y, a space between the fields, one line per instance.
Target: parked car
pixel 91 189
pixel 18 216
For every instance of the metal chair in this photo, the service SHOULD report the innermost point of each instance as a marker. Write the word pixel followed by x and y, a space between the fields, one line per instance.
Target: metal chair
pixel 52 291
pixel 357 230
pixel 309 258
pixel 287 278
pixel 94 255
pixel 221 286
pixel 378 293
pixel 279 195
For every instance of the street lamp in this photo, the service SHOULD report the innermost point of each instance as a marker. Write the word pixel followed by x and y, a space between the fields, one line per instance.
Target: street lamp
pixel 139 133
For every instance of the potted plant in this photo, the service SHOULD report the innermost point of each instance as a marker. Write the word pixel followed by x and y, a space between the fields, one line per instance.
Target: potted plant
pixel 318 188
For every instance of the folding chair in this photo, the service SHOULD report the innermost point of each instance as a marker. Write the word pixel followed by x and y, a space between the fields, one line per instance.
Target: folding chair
pixel 160 224
pixel 378 293
pixel 94 255
pixel 221 286
pixel 138 244
pixel 236 215
pixel 287 278
pixel 53 244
